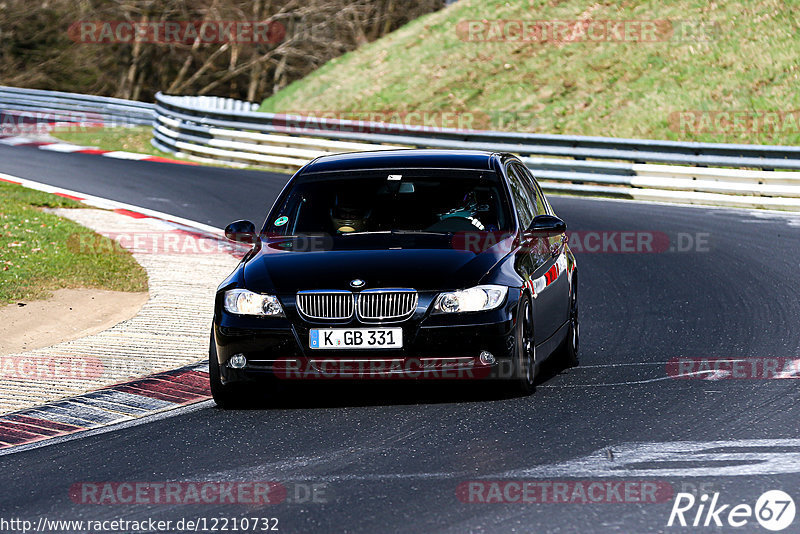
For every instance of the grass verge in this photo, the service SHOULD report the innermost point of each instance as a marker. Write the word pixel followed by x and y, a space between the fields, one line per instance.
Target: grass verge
pixel 133 139
pixel 136 139
pixel 719 57
pixel 38 252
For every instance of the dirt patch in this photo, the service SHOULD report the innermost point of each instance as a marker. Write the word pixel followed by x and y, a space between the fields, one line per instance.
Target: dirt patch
pixel 68 314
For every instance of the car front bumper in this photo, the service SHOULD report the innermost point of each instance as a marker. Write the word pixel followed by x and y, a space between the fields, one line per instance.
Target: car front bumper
pixel 434 347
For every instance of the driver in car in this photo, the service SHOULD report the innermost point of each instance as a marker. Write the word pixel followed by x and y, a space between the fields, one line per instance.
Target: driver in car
pixel 349 214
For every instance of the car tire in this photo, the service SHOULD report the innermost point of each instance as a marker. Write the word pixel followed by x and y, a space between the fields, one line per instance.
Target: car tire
pixel 227 396
pixel 569 348
pixel 524 357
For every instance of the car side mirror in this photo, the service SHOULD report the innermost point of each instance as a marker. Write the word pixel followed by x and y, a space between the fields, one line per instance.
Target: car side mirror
pixel 241 232
pixel 545 226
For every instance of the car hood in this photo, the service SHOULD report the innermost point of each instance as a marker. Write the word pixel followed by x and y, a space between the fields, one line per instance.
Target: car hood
pixel 422 266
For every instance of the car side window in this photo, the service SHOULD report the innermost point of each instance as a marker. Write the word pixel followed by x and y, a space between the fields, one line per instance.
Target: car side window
pixel 539 202
pixel 546 207
pixel 522 197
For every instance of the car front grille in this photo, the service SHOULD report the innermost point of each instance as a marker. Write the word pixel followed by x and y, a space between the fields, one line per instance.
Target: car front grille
pixel 386 304
pixel 334 305
pixel 371 305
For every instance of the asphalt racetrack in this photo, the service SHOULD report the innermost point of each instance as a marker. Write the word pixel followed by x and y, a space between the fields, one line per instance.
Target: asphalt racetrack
pixel 411 458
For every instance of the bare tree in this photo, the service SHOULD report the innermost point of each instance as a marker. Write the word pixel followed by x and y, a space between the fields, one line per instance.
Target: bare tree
pixel 39 50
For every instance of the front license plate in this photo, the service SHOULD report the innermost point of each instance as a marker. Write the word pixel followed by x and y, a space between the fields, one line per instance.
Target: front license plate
pixel 356 338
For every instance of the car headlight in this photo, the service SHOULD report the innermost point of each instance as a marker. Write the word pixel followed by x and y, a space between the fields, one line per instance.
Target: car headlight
pixel 474 299
pixel 244 302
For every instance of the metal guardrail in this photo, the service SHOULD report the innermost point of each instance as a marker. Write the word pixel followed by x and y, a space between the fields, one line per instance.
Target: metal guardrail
pixel 566 164
pixel 232 131
pixel 36 105
pixel 577 147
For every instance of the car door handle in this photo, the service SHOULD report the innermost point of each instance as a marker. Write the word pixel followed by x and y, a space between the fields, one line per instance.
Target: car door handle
pixel 556 248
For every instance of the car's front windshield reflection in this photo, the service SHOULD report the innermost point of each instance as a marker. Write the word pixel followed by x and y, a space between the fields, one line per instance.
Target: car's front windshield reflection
pixel 378 203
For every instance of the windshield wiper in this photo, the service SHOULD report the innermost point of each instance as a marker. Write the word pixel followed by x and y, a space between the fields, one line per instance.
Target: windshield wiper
pixel 364 233
pixel 398 232
pixel 420 232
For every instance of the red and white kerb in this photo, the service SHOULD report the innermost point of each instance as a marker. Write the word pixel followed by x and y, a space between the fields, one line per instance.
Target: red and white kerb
pixel 538 285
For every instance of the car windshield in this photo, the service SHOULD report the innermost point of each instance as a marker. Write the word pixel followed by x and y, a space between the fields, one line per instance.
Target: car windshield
pixel 392 201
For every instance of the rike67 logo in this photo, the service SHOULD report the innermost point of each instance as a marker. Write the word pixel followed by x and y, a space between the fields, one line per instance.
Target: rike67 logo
pixel 774 510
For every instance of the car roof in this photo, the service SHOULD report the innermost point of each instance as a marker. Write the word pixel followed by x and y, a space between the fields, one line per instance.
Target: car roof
pixel 403 159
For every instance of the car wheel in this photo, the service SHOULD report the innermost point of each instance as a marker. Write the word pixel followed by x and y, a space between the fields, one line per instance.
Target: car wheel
pixel 569 349
pixel 227 396
pixel 524 378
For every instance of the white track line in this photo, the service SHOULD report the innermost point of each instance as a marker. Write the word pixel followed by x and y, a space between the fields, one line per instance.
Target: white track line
pixel 105 203
pixel 14 141
pixel 126 155
pixel 65 147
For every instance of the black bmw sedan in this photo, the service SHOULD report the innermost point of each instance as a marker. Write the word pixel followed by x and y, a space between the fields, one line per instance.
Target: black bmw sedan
pixel 420 264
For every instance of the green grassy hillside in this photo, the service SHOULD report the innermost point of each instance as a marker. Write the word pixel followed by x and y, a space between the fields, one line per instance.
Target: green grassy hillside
pixel 711 57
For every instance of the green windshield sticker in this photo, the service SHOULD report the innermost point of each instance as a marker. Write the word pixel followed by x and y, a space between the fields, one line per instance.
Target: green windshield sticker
pixel 280 221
